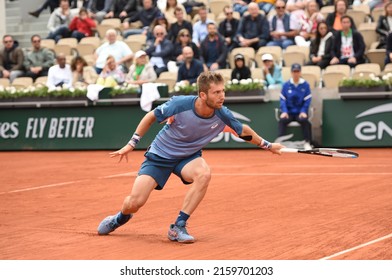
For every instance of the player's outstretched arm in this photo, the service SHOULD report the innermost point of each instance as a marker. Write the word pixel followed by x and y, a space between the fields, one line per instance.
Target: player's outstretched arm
pixel 251 136
pixel 141 130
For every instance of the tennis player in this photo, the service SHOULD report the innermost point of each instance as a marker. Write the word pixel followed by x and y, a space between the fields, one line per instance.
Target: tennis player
pixel 191 123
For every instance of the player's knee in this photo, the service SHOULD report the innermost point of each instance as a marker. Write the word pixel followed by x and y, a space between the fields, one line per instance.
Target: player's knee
pixel 133 203
pixel 204 175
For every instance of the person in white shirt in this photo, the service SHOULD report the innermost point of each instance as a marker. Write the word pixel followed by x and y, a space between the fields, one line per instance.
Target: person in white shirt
pixel 118 49
pixel 59 75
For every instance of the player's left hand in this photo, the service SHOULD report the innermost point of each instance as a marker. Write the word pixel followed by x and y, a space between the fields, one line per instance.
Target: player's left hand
pixel 275 149
pixel 123 152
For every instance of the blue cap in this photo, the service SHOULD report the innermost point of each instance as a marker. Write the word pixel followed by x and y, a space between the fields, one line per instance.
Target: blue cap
pixel 295 67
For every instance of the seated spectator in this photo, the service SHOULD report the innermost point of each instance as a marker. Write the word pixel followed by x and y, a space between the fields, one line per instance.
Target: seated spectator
pixel 283 27
pixel 321 46
pixel 119 49
pixel 180 23
pixel 146 16
pixel 112 74
pixel 266 5
pixel 160 20
pixel 213 50
pixel 308 21
pixel 82 73
pixel 98 9
pixel 295 100
pixel 253 29
pixel 333 19
pixel 52 5
pixel 11 59
pixel 39 60
pixel 82 26
pixel 169 10
pixel 122 9
pixel 190 70
pixel 241 6
pixel 272 72
pixel 240 71
pixel 184 40
pixel 59 21
pixel 388 58
pixel 295 5
pixel 141 71
pixel 200 27
pixel 161 51
pixel 228 27
pixel 60 75
pixel 349 46
pixel 384 25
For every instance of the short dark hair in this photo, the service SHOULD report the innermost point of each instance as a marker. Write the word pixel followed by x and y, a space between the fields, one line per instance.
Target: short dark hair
pixel 34 36
pixel 206 79
pixel 346 16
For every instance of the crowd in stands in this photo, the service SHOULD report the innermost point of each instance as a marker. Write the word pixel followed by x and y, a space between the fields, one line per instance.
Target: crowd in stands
pixel 186 38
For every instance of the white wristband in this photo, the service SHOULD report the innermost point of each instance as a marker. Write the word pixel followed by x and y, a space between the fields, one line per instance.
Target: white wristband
pixel 134 140
pixel 265 145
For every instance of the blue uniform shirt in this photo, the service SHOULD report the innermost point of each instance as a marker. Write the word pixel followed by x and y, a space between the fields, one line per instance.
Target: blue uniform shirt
pixel 295 99
pixel 186 132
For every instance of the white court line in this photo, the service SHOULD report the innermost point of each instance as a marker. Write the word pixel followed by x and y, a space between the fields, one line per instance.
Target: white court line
pixel 358 247
pixel 43 187
pixel 119 175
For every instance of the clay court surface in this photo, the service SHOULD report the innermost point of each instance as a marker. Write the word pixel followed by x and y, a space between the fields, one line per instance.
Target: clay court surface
pixel 258 206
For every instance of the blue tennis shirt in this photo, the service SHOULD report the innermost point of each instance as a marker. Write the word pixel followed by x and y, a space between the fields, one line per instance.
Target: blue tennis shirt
pixel 185 132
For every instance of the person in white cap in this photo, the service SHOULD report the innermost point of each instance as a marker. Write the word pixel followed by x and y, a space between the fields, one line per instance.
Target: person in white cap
pixel 141 71
pixel 272 72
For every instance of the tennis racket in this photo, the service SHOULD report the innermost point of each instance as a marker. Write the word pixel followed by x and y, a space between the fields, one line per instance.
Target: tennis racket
pixel 326 152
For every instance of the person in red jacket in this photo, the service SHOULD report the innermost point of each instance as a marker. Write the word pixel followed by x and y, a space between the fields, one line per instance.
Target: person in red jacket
pixel 82 25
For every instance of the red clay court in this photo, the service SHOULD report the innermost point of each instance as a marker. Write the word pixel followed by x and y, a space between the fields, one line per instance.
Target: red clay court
pixel 258 206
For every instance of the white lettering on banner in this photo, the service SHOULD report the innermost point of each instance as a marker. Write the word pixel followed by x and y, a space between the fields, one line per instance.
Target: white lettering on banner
pixel 369 131
pixel 9 130
pixel 35 127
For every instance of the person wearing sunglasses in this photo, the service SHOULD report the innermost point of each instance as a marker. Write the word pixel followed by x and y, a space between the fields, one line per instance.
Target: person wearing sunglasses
pixel 184 40
pixel 11 59
pixel 228 27
pixel 39 60
pixel 180 23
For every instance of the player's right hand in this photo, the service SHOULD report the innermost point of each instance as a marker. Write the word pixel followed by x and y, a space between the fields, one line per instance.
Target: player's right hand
pixel 123 152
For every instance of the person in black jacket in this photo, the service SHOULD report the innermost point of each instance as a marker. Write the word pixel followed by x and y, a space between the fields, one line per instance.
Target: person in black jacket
pixel 228 27
pixel 321 46
pixel 388 57
pixel 241 71
pixel 180 24
pixel 333 20
pixel 190 70
pixel 383 27
pixel 349 47
pixel 122 9
pixel 213 50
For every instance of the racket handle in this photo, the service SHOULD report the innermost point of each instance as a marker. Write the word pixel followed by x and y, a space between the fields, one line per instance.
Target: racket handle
pixel 289 150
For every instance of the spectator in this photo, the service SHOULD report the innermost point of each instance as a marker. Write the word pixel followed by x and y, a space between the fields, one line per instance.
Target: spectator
pixel 160 20
pixel 112 74
pixel 82 26
pixel 384 25
pixel 52 5
pixel 228 27
pixel 184 40
pixel 141 71
pixel 308 22
pixel 240 71
pixel 253 29
pixel 265 5
pixel 321 46
pixel 272 72
pixel 181 23
pixel 388 57
pixel 122 9
pixel 241 6
pixel 284 28
pixel 60 75
pixel 98 9
pixel 120 50
pixel 200 27
pixel 11 59
pixel 334 19
pixel 39 60
pixel 146 16
pixel 213 50
pixel 190 69
pixel 161 51
pixel 169 10
pixel 296 5
pixel 59 21
pixel 82 73
pixel 295 100
pixel 349 46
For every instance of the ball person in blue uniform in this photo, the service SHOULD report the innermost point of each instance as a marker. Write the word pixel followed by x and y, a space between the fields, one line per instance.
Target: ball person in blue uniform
pixel 191 123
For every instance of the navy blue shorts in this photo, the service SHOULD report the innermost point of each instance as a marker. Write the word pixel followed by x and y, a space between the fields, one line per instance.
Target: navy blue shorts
pixel 161 168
